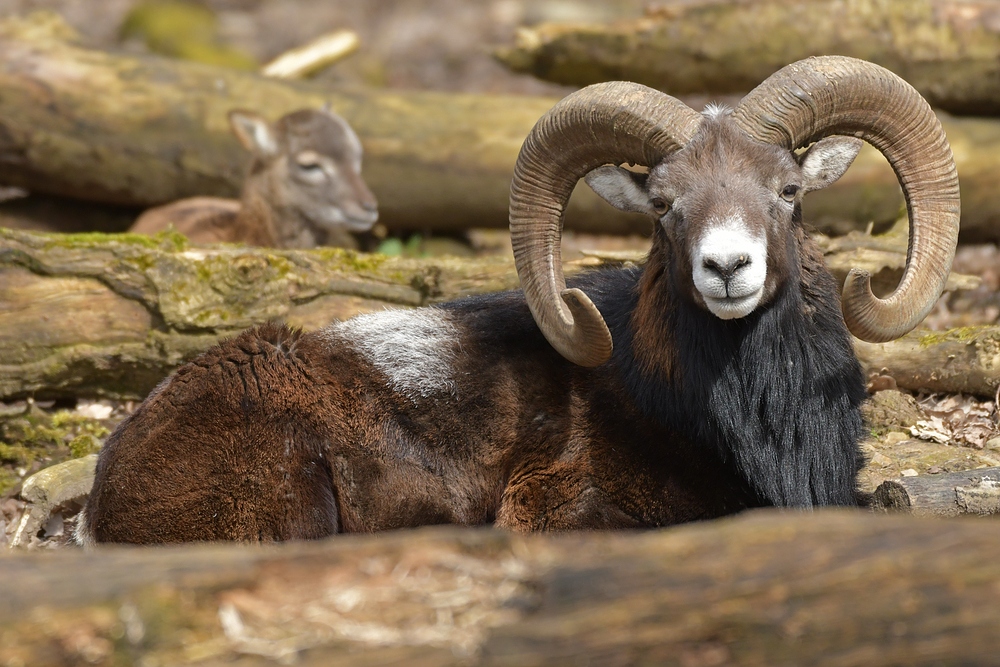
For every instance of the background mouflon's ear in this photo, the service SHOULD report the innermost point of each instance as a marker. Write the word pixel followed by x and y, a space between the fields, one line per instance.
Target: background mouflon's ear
pixel 827 160
pixel 623 189
pixel 254 132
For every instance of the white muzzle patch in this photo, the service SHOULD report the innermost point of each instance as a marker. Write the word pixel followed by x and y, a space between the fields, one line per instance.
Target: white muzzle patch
pixel 729 268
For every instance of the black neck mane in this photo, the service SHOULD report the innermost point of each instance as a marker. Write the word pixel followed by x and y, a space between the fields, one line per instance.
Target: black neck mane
pixel 775 394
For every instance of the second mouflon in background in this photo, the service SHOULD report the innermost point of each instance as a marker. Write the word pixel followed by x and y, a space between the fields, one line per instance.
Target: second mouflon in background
pixel 303 189
pixel 718 376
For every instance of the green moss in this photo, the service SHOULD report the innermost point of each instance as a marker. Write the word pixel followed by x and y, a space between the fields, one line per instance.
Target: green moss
pixel 33 431
pixel 40 439
pixel 961 334
pixel 170 239
pixel 16 455
pixel 69 423
pixel 83 445
pixel 9 480
pixel 391 247
pixel 185 30
pixel 351 259
pixel 395 247
pixel 88 239
pixel 204 272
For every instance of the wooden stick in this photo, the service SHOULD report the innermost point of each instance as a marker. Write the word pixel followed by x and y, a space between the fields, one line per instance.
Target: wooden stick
pixel 964 360
pixel 308 59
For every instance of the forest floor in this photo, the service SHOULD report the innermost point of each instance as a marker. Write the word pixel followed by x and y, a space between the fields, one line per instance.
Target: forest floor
pixel 447 45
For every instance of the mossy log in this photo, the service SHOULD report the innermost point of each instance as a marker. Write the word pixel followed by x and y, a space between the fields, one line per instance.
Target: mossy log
pixel 95 315
pixel 948 49
pixel 157 131
pixel 768 588
pixel 964 360
pixel 111 315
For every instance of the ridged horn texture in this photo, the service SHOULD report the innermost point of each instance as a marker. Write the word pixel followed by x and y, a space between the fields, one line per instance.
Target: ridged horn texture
pixel 821 96
pixel 604 123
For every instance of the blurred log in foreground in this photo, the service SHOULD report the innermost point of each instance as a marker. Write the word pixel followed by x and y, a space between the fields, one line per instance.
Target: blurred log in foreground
pixel 767 588
pixel 948 49
pixel 92 315
pixel 158 132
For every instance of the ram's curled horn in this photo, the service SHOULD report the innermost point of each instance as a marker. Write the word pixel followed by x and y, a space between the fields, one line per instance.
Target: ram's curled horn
pixel 604 123
pixel 821 96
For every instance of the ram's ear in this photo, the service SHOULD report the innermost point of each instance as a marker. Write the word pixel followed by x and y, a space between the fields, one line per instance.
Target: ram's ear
pixel 827 160
pixel 623 189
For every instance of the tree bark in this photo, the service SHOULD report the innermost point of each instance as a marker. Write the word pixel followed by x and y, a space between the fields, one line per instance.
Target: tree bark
pixel 767 588
pixel 158 132
pixel 974 492
pixel 95 315
pixel 948 49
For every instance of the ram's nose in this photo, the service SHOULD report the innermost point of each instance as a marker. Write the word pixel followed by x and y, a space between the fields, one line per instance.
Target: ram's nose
pixel 727 266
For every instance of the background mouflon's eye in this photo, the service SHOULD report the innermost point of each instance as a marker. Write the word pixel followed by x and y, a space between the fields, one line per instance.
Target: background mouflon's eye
pixel 310 166
pixel 309 162
pixel 659 205
pixel 788 194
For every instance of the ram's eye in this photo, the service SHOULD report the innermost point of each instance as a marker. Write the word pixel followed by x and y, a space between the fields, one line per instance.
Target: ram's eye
pixel 659 205
pixel 788 194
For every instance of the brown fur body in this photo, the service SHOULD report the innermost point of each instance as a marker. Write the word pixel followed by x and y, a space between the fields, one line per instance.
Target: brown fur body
pixel 277 435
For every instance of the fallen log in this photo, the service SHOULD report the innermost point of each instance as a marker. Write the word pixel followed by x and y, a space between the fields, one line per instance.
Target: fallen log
pixel 948 49
pixel 975 492
pixel 111 315
pixel 964 360
pixel 766 588
pixel 94 315
pixel 158 132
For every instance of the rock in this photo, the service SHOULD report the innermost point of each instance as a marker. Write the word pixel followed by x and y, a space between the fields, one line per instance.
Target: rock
pixel 891 409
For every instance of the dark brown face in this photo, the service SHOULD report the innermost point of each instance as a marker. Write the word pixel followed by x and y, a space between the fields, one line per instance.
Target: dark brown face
pixel 727 205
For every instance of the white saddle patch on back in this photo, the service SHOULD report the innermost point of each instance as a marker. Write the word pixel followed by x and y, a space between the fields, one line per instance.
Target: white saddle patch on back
pixel 415 349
